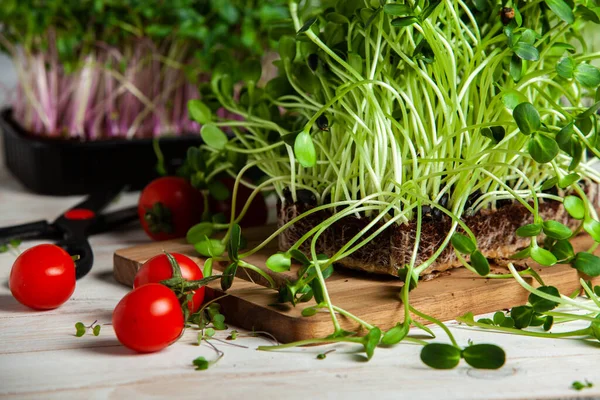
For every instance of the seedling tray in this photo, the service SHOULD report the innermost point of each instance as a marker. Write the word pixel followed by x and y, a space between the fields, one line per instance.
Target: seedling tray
pixel 63 167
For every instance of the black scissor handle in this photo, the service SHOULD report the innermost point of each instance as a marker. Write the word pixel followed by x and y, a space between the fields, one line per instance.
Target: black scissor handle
pixel 99 200
pixel 82 249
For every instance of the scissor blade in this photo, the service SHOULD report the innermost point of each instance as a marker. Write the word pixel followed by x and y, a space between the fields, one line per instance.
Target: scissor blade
pixel 97 201
pixel 110 221
pixel 31 230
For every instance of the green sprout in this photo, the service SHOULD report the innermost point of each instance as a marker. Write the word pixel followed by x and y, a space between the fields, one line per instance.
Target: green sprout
pixel 424 112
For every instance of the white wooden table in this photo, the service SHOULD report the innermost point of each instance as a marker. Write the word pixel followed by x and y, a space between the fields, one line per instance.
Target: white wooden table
pixel 41 358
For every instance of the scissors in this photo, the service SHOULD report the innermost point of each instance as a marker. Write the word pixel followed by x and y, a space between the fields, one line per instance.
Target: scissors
pixel 72 228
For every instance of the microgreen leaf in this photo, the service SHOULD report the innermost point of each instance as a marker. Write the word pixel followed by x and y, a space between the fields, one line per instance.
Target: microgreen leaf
pixel 198 232
pixel 218 191
pixel 201 363
pixel 429 9
pixel 323 356
pixel 591 110
pixel 3 248
pixel 562 10
pixel 396 334
pixel 484 356
pixel 304 149
pixel 515 68
pixel 213 136
pixel 199 111
pixel 587 263
pixel 207 269
pixel 580 386
pixel 404 21
pixel 309 311
pixel 371 341
pixel 508 322
pixel 568 180
pixel 96 330
pixel 587 75
pixel 278 87
pixel 563 250
pixel 549 183
pixel 80 327
pixel 499 317
pixel 529 230
pixel 542 256
pixel 556 230
pixel 480 263
pixel 251 70
pixel 402 274
pixel 307 25
pixel 299 256
pixel 496 133
pixel 526 51
pixel 218 322
pixel 210 247
pixel 306 292
pixel 522 316
pixel 565 67
pixel 512 98
pixel 481 5
pixel 209 332
pixel 527 118
pixel 548 323
pixel 595 326
pixel 564 135
pixel 233 246
pixel 279 262
pixel 228 275
pixel 528 36
pixel 592 227
pixel 396 9
pixel 540 304
pixel 356 62
pixel 574 206
pixel 337 18
pixel 317 290
pixel 542 148
pixel 440 355
pixel 463 243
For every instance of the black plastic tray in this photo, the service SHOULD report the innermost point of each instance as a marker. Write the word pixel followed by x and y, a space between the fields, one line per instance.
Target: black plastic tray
pixel 69 167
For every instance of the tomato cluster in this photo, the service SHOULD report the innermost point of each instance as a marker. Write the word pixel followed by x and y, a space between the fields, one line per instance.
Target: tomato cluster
pixel 150 317
pixel 147 319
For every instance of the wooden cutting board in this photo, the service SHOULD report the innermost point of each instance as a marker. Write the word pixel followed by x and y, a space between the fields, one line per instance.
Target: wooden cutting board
pixel 372 298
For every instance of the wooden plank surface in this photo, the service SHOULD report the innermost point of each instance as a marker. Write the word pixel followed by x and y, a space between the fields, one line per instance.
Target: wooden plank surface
pixel 372 298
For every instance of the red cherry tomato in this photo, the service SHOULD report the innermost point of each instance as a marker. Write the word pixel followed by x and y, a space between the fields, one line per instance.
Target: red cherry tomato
pixel 257 213
pixel 148 318
pixel 159 268
pixel 43 277
pixel 168 207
